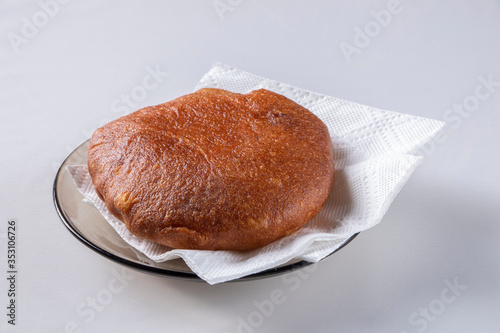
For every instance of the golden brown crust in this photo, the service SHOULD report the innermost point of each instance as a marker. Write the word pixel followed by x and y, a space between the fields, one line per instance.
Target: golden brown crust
pixel 214 169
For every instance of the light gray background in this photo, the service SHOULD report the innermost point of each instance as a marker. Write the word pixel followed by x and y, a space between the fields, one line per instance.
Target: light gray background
pixel 429 59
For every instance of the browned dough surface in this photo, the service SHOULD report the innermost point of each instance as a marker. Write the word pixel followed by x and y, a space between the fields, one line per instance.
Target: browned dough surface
pixel 214 169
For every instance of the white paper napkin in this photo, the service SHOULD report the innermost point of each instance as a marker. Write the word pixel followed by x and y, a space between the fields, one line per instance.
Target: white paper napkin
pixel 373 160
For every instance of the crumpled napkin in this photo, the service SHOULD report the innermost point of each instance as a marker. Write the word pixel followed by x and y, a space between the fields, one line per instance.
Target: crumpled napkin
pixel 373 160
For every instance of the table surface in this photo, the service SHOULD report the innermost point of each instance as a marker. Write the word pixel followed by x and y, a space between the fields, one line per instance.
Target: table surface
pixel 431 265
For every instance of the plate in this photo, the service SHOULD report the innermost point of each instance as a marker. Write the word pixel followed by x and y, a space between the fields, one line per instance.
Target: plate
pixel 89 226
